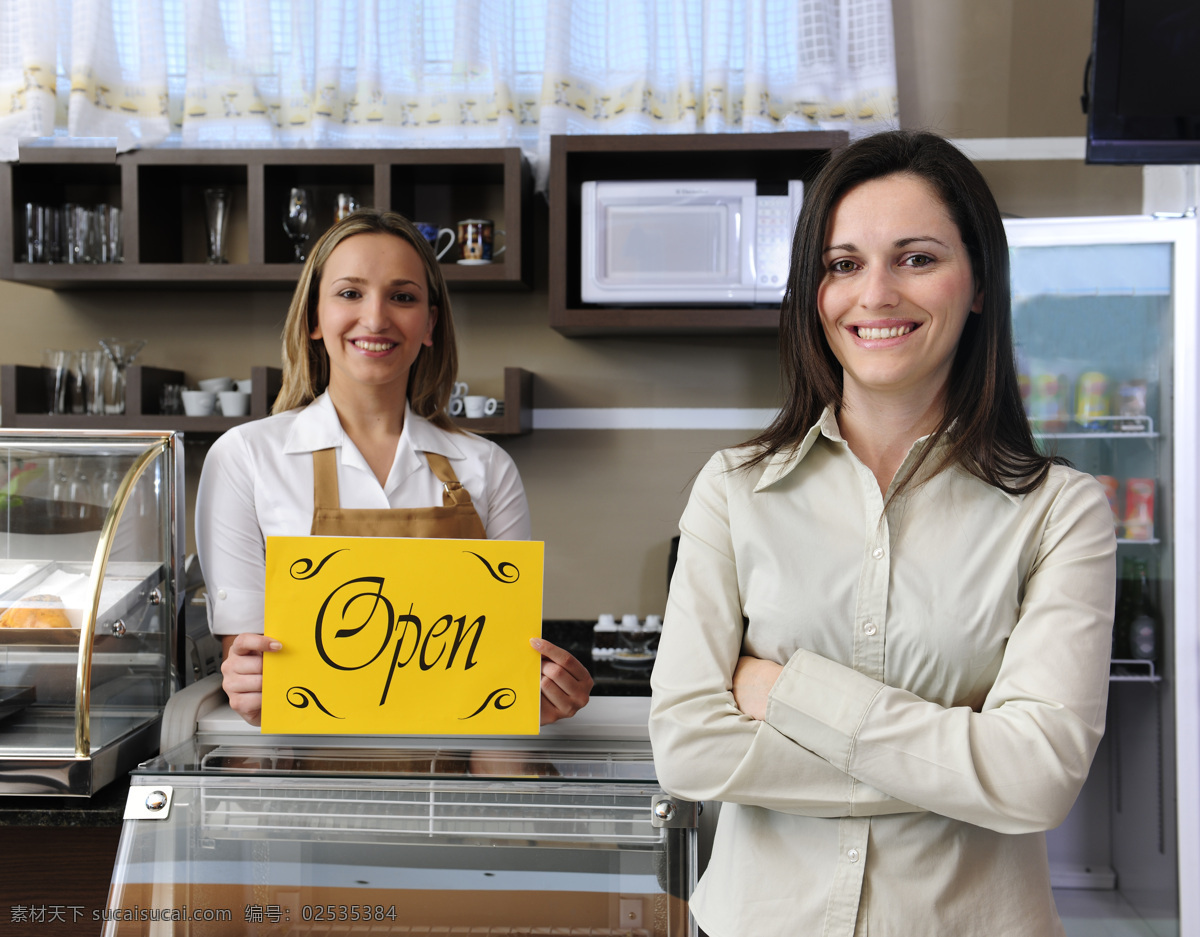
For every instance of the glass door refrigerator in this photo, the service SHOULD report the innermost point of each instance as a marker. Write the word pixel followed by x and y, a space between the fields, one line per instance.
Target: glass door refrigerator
pixel 1104 319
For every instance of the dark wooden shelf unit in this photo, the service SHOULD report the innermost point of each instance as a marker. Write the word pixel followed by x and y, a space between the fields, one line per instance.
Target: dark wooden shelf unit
pixel 24 403
pixel 161 197
pixel 770 158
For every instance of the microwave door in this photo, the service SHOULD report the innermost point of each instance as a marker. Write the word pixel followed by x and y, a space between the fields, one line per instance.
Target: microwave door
pixel 661 253
pixel 667 244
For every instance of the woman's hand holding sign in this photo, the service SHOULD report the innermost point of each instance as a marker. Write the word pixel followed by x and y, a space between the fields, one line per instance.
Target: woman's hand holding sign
pixel 242 668
pixel 566 684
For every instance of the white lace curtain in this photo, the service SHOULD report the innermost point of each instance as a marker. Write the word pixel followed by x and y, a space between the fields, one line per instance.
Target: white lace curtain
pixel 437 73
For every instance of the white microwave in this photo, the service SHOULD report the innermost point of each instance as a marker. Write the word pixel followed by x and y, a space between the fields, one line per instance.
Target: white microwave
pixel 694 241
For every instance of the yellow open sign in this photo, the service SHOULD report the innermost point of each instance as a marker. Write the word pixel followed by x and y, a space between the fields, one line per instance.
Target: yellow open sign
pixel 403 636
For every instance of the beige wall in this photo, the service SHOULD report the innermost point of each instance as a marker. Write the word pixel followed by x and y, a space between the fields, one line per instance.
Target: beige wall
pixel 607 502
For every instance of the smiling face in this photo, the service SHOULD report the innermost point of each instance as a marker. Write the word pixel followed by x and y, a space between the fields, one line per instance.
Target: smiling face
pixel 897 289
pixel 373 313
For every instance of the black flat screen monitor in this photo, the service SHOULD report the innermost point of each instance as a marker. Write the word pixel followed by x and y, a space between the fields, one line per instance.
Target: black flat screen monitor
pixel 1145 82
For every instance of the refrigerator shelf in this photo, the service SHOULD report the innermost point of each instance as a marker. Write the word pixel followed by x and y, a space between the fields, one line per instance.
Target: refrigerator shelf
pixel 1139 427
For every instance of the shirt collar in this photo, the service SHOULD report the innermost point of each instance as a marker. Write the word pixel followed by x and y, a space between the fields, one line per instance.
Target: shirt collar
pixel 317 427
pixel 782 463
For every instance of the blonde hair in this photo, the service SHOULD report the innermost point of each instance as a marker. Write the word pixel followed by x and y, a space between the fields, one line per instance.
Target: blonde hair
pixel 305 361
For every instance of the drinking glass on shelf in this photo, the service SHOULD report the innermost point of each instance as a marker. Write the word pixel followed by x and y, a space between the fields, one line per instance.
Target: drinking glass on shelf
pixel 35 234
pixel 56 364
pixel 121 354
pixel 217 202
pixel 72 232
pixel 298 220
pixel 116 246
pixel 77 382
pixel 96 365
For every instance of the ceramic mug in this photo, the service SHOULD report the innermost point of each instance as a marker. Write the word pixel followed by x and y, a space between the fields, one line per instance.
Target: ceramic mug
pixel 475 241
pixel 234 403
pixel 199 402
pixel 433 234
pixel 474 406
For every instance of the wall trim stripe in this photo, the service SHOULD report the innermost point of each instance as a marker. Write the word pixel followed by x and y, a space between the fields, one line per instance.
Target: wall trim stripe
pixel 657 418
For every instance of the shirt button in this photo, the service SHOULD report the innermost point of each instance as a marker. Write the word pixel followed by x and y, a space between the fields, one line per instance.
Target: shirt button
pixel 220 593
pixel 870 628
pixel 877 553
pixel 852 855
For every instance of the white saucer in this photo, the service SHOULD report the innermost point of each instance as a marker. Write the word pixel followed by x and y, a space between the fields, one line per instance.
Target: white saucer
pixel 474 263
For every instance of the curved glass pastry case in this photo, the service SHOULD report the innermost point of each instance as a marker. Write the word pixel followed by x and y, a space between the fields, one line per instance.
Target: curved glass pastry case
pixel 90 554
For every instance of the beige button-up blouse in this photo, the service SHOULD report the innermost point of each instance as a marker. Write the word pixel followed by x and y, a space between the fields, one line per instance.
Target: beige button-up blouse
pixel 944 691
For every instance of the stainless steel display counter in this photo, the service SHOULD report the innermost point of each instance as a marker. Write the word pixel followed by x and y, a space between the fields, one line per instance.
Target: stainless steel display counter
pixel 231 831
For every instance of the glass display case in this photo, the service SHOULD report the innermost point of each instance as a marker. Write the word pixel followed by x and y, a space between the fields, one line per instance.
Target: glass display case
pixel 90 554
pixel 233 832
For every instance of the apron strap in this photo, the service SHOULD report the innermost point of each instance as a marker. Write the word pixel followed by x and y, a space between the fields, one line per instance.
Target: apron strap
pixel 452 490
pixel 325 483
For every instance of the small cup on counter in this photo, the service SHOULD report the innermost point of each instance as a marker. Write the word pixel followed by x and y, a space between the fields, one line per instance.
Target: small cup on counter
pixel 199 402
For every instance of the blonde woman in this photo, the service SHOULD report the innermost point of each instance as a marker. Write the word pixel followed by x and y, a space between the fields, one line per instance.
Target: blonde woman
pixel 358 444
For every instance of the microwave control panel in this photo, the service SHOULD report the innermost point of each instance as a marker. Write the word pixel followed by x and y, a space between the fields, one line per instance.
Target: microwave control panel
pixel 775 222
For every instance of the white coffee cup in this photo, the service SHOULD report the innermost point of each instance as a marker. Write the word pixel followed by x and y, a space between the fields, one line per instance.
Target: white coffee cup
pixel 199 402
pixel 216 384
pixel 489 406
pixel 456 406
pixel 244 385
pixel 234 403
pixel 460 389
pixel 474 406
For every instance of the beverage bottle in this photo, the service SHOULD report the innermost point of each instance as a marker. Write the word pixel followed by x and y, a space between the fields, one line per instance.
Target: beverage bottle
pixel 1127 586
pixel 1143 626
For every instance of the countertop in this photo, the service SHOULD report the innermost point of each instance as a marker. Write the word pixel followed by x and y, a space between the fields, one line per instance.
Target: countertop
pixel 106 807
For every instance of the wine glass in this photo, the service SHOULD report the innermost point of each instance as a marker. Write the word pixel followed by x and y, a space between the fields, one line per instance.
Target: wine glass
pixel 298 220
pixel 121 353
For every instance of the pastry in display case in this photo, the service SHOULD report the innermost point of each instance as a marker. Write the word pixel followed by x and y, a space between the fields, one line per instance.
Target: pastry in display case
pixel 90 553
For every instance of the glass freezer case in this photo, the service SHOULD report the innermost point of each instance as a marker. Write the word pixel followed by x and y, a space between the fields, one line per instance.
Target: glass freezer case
pixel 90 552
pixel 1104 319
pixel 230 832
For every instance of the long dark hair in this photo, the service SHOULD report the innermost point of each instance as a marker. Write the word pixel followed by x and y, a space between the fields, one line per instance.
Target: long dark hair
pixel 984 424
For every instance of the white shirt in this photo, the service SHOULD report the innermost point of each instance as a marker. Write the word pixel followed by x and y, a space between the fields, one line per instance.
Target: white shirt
pixel 944 690
pixel 257 482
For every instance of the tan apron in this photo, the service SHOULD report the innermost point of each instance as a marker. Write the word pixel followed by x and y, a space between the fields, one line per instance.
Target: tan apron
pixel 456 518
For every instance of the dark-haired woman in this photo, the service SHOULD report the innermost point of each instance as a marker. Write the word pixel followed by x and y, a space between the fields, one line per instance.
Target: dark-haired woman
pixel 887 637
pixel 359 445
